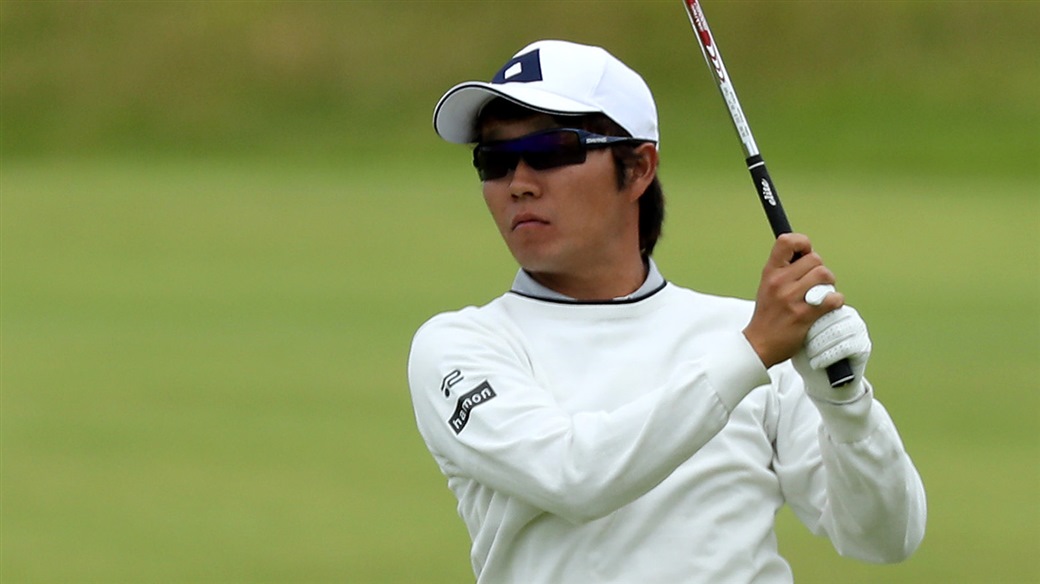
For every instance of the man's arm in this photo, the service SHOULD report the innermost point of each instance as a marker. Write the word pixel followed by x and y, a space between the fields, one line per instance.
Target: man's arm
pixel 841 463
pixel 845 473
pixel 492 422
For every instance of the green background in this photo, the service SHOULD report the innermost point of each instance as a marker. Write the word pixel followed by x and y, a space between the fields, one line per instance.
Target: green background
pixel 223 221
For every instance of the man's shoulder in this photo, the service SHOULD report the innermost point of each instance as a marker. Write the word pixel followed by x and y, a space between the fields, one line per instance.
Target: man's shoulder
pixel 471 316
pixel 705 301
pixel 471 330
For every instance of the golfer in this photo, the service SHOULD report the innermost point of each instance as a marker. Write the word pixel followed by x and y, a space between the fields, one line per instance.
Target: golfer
pixel 598 423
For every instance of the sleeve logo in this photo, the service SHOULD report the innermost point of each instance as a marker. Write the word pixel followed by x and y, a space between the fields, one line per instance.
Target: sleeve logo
pixel 467 401
pixel 449 382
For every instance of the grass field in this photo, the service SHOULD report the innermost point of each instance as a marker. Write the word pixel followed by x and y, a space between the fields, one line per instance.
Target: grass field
pixel 203 364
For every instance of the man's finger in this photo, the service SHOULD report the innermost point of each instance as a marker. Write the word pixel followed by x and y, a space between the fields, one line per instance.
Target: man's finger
pixel 788 246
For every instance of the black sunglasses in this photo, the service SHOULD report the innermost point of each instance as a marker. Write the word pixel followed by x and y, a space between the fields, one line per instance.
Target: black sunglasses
pixel 540 150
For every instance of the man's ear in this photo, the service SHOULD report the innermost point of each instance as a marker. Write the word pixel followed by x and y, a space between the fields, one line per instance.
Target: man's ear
pixel 641 170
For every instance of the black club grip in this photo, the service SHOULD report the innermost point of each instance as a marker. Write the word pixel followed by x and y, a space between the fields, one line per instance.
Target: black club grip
pixel 839 373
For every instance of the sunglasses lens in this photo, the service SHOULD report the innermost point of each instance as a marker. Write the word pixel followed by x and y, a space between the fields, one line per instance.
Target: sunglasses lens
pixel 492 164
pixel 540 151
pixel 554 149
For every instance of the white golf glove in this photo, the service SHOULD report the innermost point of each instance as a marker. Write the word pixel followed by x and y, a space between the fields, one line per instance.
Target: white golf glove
pixel 839 334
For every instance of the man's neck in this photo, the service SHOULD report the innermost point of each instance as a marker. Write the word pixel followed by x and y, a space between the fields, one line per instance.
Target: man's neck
pixel 638 282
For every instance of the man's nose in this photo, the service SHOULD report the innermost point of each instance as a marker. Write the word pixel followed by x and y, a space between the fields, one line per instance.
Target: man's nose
pixel 524 181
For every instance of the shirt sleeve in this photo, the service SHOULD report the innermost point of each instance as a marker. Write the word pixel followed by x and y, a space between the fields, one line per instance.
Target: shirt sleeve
pixel 483 415
pixel 845 473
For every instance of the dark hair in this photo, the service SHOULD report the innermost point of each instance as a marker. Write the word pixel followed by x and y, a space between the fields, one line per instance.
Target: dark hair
pixel 651 202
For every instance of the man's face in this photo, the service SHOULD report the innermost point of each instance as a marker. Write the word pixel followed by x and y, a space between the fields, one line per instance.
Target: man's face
pixel 564 221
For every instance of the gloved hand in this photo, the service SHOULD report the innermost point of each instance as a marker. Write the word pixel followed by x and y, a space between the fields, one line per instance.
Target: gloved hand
pixel 837 335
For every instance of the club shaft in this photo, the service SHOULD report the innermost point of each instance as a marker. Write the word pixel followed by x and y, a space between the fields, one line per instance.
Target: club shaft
pixel 713 58
pixel 767 193
pixel 839 373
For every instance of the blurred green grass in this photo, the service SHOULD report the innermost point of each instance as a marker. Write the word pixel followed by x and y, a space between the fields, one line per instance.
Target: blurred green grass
pixel 207 383
pixel 220 224
pixel 915 86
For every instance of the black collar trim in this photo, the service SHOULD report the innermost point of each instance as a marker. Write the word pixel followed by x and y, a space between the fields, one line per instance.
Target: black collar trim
pixel 594 302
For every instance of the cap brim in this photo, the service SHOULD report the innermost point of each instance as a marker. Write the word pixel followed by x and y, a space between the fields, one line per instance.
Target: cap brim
pixel 455 117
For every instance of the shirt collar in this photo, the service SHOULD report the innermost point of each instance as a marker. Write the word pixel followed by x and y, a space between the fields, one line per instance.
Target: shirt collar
pixel 526 285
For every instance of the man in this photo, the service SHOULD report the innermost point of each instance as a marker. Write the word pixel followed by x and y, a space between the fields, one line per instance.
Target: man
pixel 600 424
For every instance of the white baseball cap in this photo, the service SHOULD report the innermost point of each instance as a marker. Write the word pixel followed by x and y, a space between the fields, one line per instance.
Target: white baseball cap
pixel 554 77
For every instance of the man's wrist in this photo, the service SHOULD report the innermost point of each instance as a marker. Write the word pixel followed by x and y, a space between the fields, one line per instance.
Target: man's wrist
pixel 735 369
pixel 845 412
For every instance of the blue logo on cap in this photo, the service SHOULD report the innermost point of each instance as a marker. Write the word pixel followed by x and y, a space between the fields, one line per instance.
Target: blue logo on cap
pixel 521 69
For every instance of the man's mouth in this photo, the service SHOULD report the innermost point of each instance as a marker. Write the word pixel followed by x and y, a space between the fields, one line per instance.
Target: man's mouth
pixel 527 219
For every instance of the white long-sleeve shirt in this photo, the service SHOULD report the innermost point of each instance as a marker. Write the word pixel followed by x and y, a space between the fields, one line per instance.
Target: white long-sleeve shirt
pixel 643 441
